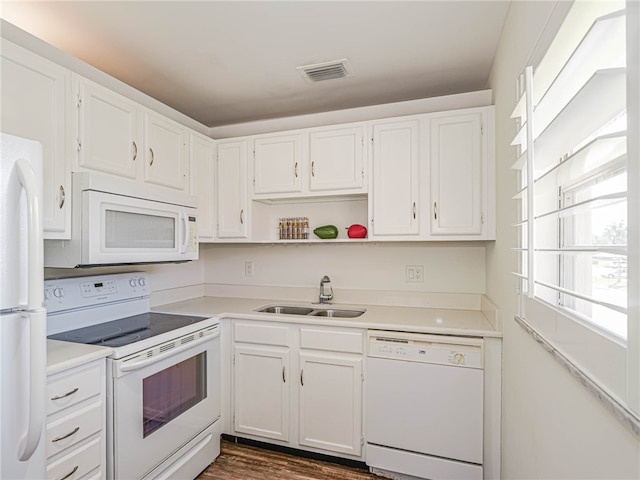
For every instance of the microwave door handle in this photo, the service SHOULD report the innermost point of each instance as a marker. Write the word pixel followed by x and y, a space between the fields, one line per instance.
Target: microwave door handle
pixel 185 240
pixel 36 315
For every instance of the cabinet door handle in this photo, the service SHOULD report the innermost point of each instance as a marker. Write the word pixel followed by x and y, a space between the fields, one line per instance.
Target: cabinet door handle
pixel 414 210
pixel 135 151
pixel 242 217
pixel 61 197
pixel 72 432
pixel 151 157
pixel 302 377
pixel 75 469
pixel 65 395
pixel 435 211
pixel 284 379
pixel 295 169
pixel 313 169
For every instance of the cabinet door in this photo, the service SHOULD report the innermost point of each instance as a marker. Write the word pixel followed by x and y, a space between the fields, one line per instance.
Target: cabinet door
pixel 165 152
pixel 202 165
pixel 456 157
pixel 36 104
pixel 232 190
pixel 109 131
pixel 337 159
pixel 394 199
pixel 331 402
pixel 261 391
pixel 277 164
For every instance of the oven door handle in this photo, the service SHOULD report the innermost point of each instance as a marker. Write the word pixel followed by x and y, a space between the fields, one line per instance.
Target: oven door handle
pixel 130 367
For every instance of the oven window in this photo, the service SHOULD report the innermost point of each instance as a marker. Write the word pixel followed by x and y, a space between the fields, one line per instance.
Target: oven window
pixel 173 391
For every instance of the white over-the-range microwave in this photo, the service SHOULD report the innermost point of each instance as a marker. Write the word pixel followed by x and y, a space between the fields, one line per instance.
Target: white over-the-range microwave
pixel 118 221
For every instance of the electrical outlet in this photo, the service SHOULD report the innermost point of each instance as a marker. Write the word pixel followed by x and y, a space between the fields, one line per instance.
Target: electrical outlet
pixel 248 269
pixel 414 273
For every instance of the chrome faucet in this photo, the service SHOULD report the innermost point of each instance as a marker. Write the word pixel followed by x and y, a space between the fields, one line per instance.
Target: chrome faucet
pixel 325 297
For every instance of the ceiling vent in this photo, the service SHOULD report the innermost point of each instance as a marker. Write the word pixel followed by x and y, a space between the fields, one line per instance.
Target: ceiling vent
pixel 325 71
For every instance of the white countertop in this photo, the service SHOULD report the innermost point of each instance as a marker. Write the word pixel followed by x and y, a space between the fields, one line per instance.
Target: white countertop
pixel 64 355
pixel 408 319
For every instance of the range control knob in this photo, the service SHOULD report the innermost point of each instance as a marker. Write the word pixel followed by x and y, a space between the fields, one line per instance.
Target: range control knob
pixel 142 282
pixel 132 282
pixel 58 292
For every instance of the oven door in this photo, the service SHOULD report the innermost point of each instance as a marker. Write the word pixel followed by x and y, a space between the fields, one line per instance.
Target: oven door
pixel 121 229
pixel 159 405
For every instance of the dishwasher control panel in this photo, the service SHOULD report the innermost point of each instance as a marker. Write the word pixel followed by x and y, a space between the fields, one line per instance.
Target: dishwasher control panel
pixel 437 349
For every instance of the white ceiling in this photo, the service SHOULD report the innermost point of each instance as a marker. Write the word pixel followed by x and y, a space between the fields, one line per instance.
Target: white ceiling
pixel 226 62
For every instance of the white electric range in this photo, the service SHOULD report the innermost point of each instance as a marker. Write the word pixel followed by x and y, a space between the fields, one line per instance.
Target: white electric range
pixel 163 377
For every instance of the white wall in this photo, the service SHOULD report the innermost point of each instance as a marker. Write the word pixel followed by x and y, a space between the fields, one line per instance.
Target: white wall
pixel 448 268
pixel 552 427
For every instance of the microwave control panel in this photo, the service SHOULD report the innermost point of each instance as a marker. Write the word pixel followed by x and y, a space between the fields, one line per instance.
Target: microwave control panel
pixel 192 244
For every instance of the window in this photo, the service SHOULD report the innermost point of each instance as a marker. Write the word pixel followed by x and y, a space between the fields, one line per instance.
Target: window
pixel 573 164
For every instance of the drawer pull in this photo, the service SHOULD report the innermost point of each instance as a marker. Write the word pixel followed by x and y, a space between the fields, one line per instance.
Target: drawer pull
pixel 75 469
pixel 68 394
pixel 72 432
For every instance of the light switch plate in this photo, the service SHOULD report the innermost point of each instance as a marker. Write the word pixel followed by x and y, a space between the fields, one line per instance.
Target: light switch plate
pixel 414 273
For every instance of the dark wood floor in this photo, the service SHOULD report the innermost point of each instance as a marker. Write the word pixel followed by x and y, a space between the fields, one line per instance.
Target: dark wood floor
pixel 246 462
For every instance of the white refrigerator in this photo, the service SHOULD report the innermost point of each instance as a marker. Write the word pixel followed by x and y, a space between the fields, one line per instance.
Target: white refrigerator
pixel 22 317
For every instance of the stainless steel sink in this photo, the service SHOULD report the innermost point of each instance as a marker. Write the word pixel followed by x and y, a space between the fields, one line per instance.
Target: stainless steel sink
pixel 331 312
pixel 286 310
pixel 316 312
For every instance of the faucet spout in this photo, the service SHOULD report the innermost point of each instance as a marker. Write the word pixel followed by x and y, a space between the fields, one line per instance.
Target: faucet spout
pixel 324 296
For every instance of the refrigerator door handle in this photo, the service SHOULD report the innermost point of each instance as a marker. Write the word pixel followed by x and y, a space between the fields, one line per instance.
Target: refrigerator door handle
pixel 28 179
pixel 36 315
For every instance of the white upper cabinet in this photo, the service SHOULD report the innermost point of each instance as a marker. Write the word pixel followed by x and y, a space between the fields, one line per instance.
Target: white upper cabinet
pixel 36 104
pixel 166 152
pixel 109 137
pixel 232 201
pixel 460 163
pixel 277 163
pixel 337 159
pixel 394 200
pixel 120 137
pixel 202 152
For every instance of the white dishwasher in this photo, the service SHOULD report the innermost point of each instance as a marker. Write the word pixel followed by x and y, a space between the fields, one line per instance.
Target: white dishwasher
pixel 424 405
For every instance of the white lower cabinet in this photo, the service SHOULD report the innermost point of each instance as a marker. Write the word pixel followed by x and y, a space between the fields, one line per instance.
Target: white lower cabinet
pixel 331 401
pixel 299 386
pixel 262 391
pixel 75 436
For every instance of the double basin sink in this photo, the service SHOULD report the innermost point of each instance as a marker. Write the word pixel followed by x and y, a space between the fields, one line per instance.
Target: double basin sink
pixel 316 312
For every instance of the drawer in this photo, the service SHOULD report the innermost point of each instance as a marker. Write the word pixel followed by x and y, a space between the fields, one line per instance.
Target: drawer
pixel 263 334
pixel 334 340
pixel 77 463
pixel 65 390
pixel 69 430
